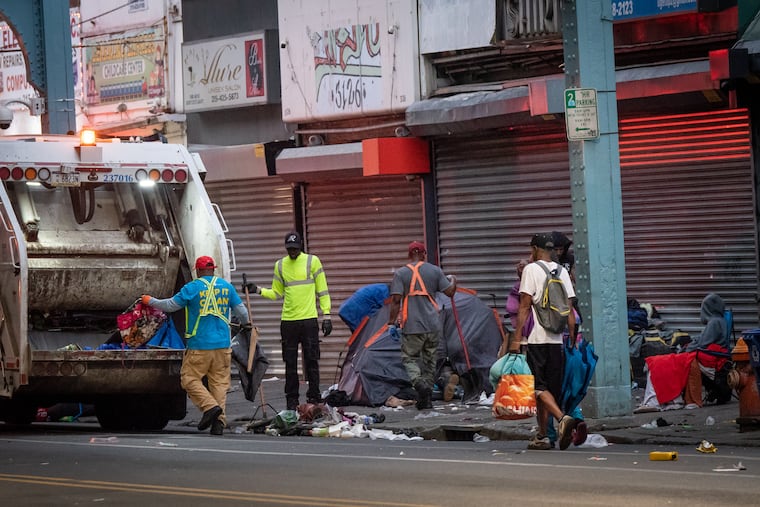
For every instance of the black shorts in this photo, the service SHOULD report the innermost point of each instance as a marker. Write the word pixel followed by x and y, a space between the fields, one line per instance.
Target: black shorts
pixel 547 364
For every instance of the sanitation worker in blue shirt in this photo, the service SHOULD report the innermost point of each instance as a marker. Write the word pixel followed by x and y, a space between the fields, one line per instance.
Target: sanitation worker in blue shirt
pixel 208 302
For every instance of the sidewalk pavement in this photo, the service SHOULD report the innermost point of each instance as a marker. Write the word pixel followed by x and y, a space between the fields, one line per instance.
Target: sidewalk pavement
pixel 456 421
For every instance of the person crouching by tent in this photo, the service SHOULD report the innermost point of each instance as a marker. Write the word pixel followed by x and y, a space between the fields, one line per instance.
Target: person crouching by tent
pixel 412 291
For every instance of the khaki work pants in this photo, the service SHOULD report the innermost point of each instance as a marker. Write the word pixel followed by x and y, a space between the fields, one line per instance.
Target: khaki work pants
pixel 213 364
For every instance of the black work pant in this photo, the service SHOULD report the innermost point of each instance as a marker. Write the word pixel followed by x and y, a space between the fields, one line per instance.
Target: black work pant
pixel 305 333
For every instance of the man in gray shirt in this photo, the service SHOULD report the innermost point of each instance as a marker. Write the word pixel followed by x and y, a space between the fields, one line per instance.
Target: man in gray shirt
pixel 413 292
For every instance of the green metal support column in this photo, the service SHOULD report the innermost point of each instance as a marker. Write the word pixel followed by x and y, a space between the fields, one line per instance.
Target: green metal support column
pixel 597 207
pixel 43 28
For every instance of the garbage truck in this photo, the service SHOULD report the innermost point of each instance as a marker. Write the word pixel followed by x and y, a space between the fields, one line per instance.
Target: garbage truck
pixel 88 225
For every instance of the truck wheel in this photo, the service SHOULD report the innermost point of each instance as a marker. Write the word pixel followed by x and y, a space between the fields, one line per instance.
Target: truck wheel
pixel 130 413
pixel 112 417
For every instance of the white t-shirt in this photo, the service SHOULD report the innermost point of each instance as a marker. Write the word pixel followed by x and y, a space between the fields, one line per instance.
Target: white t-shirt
pixel 532 282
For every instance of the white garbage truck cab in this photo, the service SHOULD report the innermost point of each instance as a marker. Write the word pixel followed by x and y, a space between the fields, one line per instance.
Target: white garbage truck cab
pixel 87 227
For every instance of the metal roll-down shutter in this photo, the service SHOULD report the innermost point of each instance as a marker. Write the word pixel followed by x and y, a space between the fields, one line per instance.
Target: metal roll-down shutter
pixel 495 192
pixel 258 213
pixel 360 228
pixel 689 214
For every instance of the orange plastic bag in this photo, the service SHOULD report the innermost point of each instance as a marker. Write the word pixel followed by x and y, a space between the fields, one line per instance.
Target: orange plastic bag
pixel 514 397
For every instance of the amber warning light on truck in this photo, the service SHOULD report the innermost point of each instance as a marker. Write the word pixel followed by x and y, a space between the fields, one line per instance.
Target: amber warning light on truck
pixel 87 138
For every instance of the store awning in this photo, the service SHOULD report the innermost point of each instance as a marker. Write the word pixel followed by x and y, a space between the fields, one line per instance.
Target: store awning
pixel 232 162
pixel 142 126
pixel 541 98
pixel 302 164
pixel 750 39
pixel 371 157
pixel 743 59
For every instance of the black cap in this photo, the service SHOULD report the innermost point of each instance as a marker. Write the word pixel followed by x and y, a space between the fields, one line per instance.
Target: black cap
pixel 542 240
pixel 560 240
pixel 292 240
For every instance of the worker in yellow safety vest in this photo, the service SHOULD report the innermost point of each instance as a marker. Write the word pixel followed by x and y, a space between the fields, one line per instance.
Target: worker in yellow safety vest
pixel 299 281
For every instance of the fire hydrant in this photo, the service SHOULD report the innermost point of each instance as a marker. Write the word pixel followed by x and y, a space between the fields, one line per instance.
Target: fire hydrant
pixel 745 383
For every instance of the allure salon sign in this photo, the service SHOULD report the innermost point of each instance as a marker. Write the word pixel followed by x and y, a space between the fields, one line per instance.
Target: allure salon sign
pixel 224 72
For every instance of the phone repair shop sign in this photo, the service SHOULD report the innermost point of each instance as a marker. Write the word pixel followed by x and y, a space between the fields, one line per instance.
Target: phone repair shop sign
pixel 581 114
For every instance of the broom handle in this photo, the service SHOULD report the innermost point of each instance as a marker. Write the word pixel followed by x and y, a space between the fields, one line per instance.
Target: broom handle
pixel 251 343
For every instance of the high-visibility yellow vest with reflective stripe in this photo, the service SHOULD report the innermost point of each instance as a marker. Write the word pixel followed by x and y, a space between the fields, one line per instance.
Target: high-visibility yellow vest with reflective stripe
pixel 299 282
pixel 208 307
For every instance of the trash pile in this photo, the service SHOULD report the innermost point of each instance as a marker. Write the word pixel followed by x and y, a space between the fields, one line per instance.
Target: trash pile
pixel 322 420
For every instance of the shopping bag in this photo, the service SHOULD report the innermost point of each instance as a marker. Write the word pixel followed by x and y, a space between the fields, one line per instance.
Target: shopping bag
pixel 515 396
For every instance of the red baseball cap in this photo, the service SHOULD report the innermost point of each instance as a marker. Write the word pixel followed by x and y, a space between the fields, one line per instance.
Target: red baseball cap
pixel 204 262
pixel 416 245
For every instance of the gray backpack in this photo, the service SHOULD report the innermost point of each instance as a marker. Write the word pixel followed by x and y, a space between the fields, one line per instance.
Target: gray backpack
pixel 552 309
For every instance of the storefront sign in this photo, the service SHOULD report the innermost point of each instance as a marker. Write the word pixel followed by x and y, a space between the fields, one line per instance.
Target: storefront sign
pixel 124 67
pixel 225 72
pixel 14 84
pixel 635 9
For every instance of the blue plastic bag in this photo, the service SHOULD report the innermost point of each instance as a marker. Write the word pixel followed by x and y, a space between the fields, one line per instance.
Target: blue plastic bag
pixel 580 364
pixel 508 364
pixel 166 337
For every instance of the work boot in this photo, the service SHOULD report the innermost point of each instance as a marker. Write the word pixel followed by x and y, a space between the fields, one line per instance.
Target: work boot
pixel 424 395
pixel 209 416
pixel 450 387
pixel 217 428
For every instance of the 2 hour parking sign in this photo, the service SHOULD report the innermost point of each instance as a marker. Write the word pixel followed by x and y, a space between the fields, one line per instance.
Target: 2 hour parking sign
pixel 581 114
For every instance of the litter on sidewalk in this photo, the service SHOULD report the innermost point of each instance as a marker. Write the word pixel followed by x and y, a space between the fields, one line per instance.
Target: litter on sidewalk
pixel 734 468
pixel 707 447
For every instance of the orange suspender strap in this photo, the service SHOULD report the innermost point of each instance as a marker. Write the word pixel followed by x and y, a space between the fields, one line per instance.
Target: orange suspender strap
pixel 416 288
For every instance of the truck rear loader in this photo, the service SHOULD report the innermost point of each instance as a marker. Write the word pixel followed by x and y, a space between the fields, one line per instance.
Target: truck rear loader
pixel 86 229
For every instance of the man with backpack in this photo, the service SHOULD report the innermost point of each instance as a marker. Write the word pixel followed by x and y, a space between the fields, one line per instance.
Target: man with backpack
pixel 546 292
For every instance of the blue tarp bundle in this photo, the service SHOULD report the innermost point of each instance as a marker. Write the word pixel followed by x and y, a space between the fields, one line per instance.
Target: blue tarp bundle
pixel 580 363
pixel 166 337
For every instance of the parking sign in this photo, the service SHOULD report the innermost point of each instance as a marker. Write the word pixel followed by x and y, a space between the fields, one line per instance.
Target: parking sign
pixel 581 115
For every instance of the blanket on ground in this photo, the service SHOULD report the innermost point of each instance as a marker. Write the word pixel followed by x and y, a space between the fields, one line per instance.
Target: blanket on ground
pixel 669 374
